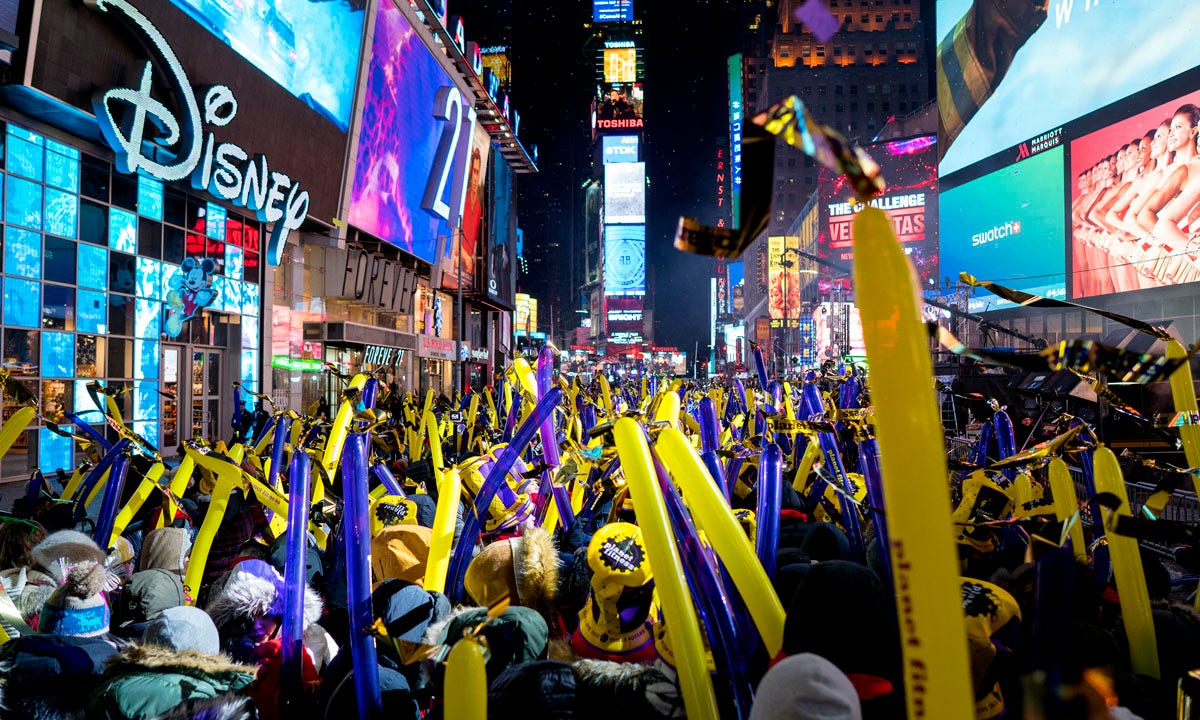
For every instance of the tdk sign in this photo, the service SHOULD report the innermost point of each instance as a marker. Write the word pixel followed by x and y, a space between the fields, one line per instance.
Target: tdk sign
pixel 620 148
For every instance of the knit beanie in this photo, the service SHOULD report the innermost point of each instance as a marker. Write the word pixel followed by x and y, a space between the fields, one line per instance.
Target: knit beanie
pixel 63 549
pixel 184 628
pixel 166 548
pixel 78 607
pixel 401 552
pixel 805 687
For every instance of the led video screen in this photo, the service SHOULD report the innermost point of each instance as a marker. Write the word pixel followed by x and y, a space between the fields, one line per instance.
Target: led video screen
pixel 398 144
pixel 625 193
pixel 619 148
pixel 310 47
pixel 1054 65
pixel 783 277
pixel 1008 227
pixel 1135 201
pixel 619 101
pixel 620 65
pixel 612 10
pixel 625 260
pixel 910 201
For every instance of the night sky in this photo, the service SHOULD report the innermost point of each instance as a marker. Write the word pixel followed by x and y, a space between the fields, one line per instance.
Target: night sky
pixel 686 111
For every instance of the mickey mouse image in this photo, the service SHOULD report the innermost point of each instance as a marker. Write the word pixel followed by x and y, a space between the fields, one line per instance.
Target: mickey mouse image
pixel 190 293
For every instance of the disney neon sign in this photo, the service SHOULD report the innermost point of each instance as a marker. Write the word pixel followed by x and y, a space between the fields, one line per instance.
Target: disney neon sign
pixel 129 118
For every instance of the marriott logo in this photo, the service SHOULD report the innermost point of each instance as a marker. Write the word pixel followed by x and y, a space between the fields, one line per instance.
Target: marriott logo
pixel 999 232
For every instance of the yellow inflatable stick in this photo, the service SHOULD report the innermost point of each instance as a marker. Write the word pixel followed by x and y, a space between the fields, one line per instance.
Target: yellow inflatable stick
pixel 937 670
pixel 606 395
pixel 139 497
pixel 679 613
pixel 466 681
pixel 1127 570
pixel 715 519
pixel 179 483
pixel 804 468
pixel 13 428
pixel 228 476
pixel 449 497
pixel 1184 394
pixel 77 479
pixel 1062 490
pixel 668 408
pixel 337 437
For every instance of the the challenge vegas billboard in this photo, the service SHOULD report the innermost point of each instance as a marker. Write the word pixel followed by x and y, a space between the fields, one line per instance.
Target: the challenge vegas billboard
pixel 910 201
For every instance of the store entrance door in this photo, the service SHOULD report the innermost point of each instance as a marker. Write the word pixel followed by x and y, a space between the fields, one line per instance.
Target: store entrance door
pixel 206 393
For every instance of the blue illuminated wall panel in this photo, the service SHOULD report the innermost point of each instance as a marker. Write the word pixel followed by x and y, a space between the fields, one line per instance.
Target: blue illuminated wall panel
pixel 83 401
pixel 147 319
pixel 91 311
pixel 58 354
pixel 146 359
pixel 215 218
pixel 93 266
pixel 150 198
pixel 22 252
pixel 149 278
pixel 62 213
pixel 25 150
pixel 145 400
pixel 22 303
pixel 55 451
pixel 62 166
pixel 22 203
pixel 122 231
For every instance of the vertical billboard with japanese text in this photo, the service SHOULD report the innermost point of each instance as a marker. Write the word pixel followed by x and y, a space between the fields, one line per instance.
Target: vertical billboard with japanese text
pixel 399 169
pixel 310 48
pixel 910 201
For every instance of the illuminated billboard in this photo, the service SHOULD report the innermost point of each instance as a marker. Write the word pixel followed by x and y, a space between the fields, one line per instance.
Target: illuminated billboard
pixel 620 65
pixel 624 320
pixel 612 10
pixel 910 202
pixel 837 331
pixel 310 48
pixel 625 193
pixel 466 250
pixel 1008 227
pixel 398 147
pixel 619 149
pixel 624 259
pixel 617 102
pixel 1135 200
pixel 1014 70
pixel 783 277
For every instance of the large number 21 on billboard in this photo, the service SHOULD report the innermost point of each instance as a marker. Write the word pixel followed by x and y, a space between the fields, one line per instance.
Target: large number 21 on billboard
pixel 411 166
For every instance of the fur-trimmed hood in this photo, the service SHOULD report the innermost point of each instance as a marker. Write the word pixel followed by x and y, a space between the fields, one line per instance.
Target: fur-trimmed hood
pixel 136 658
pixel 249 598
pixel 535 564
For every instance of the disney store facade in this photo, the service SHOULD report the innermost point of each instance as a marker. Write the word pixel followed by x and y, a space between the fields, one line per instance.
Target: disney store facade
pixel 144 196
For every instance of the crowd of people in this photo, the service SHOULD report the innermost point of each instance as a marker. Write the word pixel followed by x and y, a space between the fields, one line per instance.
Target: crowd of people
pixel 1136 212
pixel 569 613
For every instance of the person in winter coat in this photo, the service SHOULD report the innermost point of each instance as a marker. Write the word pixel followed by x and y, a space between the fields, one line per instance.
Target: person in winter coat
pixel 583 690
pixel 524 569
pixel 51 675
pixel 178 664
pixel 248 612
pixel 168 548
pixel 403 613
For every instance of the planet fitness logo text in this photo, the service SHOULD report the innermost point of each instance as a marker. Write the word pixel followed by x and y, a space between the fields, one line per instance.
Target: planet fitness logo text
pixel 129 117
pixel 999 232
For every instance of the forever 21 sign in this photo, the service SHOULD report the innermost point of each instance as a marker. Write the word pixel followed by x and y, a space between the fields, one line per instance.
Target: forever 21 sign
pixel 358 275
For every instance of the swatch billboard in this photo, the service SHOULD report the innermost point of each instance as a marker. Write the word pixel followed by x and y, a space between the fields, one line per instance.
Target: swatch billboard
pixel 398 156
pixel 310 48
pixel 1008 227
pixel 1010 70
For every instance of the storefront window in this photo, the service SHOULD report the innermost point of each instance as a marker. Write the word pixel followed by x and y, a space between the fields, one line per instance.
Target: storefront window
pixel 86 269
